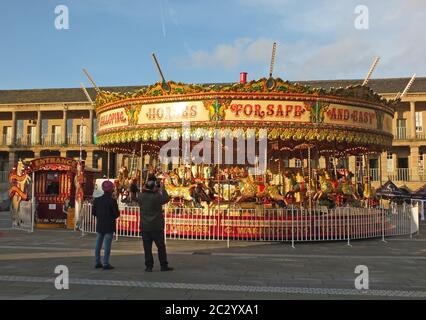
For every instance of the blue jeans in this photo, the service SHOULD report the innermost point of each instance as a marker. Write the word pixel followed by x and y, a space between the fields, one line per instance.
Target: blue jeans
pixel 106 240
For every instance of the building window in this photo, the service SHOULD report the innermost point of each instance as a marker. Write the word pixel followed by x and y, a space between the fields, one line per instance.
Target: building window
pixel 420 164
pixel 56 134
pixel 81 133
pixel 7 136
pixel 298 163
pixel 359 162
pixel 286 163
pixel 419 122
pixel 401 129
pixel 389 162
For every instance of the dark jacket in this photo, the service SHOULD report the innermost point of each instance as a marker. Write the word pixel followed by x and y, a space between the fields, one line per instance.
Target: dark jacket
pixel 105 209
pixel 151 210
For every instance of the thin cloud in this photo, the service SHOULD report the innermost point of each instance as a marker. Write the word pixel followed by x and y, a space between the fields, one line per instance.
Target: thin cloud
pixel 328 45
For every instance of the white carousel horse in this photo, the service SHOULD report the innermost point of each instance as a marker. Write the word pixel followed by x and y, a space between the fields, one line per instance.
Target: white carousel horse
pixel 18 191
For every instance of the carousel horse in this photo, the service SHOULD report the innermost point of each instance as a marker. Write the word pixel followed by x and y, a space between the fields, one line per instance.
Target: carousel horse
pixel 294 187
pixel 122 179
pixel 289 183
pixel 325 186
pixel 195 172
pixel 347 190
pixel 199 194
pixel 19 180
pixel 299 188
pixel 177 191
pixel 226 191
pixel 181 174
pixel 173 178
pixel 273 193
pixel 188 177
pixel 247 189
pixel 207 172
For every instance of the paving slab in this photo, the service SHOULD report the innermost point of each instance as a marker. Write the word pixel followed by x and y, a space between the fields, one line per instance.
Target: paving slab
pixel 211 270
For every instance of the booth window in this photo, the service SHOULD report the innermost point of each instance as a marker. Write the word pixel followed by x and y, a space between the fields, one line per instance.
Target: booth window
pixel 52 184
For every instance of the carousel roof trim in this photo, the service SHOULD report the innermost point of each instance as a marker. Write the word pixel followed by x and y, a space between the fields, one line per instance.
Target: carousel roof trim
pixel 52 95
pixel 260 86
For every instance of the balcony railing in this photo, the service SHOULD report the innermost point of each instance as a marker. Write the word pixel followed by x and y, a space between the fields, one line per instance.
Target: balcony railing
pixel 400 175
pixel 74 139
pixel 51 139
pixel 403 134
pixel 406 174
pixel 7 140
pixel 374 174
pixel 26 140
pixel 4 176
pixel 420 136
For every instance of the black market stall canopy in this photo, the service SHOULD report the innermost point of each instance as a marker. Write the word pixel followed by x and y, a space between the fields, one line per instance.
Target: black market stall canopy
pixel 420 194
pixel 390 191
pixel 345 121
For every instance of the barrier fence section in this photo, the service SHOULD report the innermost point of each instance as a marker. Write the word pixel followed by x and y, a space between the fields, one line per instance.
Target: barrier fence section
pixel 290 224
pixel 24 218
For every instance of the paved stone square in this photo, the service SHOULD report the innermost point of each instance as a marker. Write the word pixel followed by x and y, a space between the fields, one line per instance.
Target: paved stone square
pixel 210 270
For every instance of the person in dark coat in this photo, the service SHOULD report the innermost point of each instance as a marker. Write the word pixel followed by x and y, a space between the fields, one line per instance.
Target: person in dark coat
pixel 105 209
pixel 151 200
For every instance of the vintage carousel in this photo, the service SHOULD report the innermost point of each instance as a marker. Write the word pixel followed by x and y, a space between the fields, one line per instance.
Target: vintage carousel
pixel 318 128
pixel 313 126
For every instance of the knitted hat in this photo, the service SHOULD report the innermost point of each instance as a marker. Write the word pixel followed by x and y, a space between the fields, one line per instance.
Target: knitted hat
pixel 107 186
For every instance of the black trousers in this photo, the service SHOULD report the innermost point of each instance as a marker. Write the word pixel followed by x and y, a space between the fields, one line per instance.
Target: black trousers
pixel 148 238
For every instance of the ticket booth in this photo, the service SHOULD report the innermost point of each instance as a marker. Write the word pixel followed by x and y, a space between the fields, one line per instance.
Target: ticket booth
pixel 58 184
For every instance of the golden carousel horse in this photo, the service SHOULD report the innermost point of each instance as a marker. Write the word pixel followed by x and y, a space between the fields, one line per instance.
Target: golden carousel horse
pixel 176 191
pixel 247 189
pixel 225 190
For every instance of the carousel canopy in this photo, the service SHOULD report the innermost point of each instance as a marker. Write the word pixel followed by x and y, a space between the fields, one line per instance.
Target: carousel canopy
pixel 390 190
pixel 340 121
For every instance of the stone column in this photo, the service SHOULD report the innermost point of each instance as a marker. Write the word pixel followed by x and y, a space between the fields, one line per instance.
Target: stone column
pixel 414 164
pixel 351 164
pixel 321 163
pixel 394 165
pixel 90 128
pixel 384 167
pixel 89 159
pixel 424 167
pixel 38 128
pixel 64 153
pixel 413 120
pixel 12 159
pixel 64 126
pixel 14 127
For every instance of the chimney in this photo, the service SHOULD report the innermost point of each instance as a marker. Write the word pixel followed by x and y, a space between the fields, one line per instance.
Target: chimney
pixel 243 77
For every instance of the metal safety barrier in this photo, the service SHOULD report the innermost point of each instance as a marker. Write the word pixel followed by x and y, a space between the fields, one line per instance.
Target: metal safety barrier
pixel 290 224
pixel 23 219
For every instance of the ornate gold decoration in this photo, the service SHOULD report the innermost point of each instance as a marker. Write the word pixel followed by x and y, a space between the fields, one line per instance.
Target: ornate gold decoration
pixel 133 114
pixel 217 108
pixel 256 86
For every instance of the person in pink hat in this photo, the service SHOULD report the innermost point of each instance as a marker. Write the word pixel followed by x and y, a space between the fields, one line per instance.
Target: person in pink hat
pixel 105 209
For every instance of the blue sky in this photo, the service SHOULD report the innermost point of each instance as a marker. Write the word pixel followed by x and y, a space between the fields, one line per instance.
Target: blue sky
pixel 206 41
